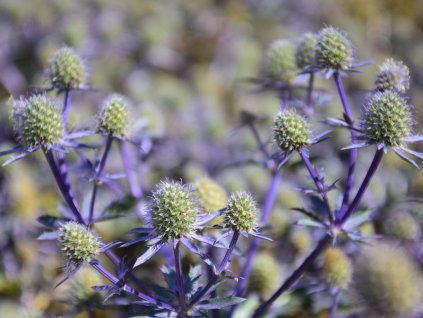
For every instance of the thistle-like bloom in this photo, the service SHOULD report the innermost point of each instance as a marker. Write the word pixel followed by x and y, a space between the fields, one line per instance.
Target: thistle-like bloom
pixel 334 50
pixel 393 75
pixel 265 275
pixel 387 122
pixel 337 268
pixel 241 213
pixel 212 197
pixel 113 117
pixel 280 62
pixel 66 69
pixel 305 51
pixel 387 281
pixel 77 243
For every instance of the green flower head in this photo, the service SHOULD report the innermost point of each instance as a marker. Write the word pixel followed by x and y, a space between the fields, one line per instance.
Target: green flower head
pixel 212 197
pixel 337 268
pixel 291 131
pixel 305 51
pixel 67 69
pixel 265 275
pixel 393 75
pixel 241 212
pixel 113 117
pixel 280 62
pixel 173 210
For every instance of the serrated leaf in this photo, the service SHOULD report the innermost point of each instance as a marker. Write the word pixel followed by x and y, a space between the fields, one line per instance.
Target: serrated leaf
pixel 308 222
pixel 219 302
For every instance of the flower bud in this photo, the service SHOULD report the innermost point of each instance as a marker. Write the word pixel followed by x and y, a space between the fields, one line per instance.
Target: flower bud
pixel 113 118
pixel 337 269
pixel 333 49
pixel 241 212
pixel 291 131
pixel 38 122
pixel 387 281
pixel 174 210
pixel 280 62
pixel 264 275
pixel 212 197
pixel 387 119
pixel 77 243
pixel 305 51
pixel 67 69
pixel 393 75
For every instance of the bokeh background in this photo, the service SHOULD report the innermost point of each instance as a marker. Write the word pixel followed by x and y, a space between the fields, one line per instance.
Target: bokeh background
pixel 182 64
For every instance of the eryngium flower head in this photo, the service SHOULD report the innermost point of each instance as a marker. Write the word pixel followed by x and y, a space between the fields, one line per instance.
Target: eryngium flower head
pixel 291 131
pixel 387 119
pixel 301 240
pixel 241 212
pixel 337 269
pixel 305 51
pixel 174 210
pixel 78 243
pixel 387 281
pixel 113 117
pixel 67 69
pixel 38 121
pixel 393 75
pixel 264 275
pixel 403 226
pixel 334 49
pixel 280 62
pixel 212 197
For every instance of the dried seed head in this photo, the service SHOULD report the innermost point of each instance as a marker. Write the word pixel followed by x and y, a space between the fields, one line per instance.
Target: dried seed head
pixel 113 117
pixel 67 69
pixel 264 276
pixel 334 50
pixel 337 269
pixel 77 243
pixel 305 51
pixel 387 281
pixel 174 210
pixel 387 119
pixel 393 75
pixel 403 226
pixel 280 62
pixel 291 131
pixel 38 122
pixel 241 212
pixel 212 197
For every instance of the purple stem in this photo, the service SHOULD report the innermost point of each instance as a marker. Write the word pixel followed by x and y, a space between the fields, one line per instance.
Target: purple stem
pixel 294 276
pixel 103 271
pixel 221 268
pixel 334 307
pixel 354 204
pixel 180 279
pixel 260 144
pixel 353 152
pixel 65 110
pixel 310 92
pixel 318 182
pixel 134 187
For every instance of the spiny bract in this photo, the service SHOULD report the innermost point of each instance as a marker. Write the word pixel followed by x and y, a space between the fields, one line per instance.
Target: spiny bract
pixel 241 212
pixel 67 69
pixel 174 210
pixel 280 62
pixel 212 197
pixel 264 276
pixel 113 118
pixel 337 269
pixel 333 49
pixel 291 131
pixel 77 243
pixel 393 75
pixel 387 281
pixel 38 122
pixel 305 51
pixel 387 119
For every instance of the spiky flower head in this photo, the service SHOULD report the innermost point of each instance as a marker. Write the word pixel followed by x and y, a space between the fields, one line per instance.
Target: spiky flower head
pixel 81 291
pixel 387 281
pixel 212 197
pixel 67 69
pixel 241 212
pixel 291 131
pixel 337 268
pixel 393 75
pixel 403 226
pixel 37 121
pixel 113 117
pixel 301 240
pixel 333 49
pixel 305 51
pixel 387 119
pixel 174 210
pixel 78 243
pixel 280 62
pixel 264 275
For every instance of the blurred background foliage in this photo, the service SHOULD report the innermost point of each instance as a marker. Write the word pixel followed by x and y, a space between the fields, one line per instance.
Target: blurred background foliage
pixel 182 63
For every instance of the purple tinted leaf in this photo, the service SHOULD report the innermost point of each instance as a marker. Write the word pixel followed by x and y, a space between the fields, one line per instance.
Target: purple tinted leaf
pixel 355 146
pixel 414 138
pixel 140 239
pixel 404 157
pixel 148 254
pixel 219 302
pixel 412 152
pixel 207 240
pixel 109 246
pixel 47 236
pixel 197 251
pixel 260 236
pixel 206 218
pixel 14 158
pixel 10 151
